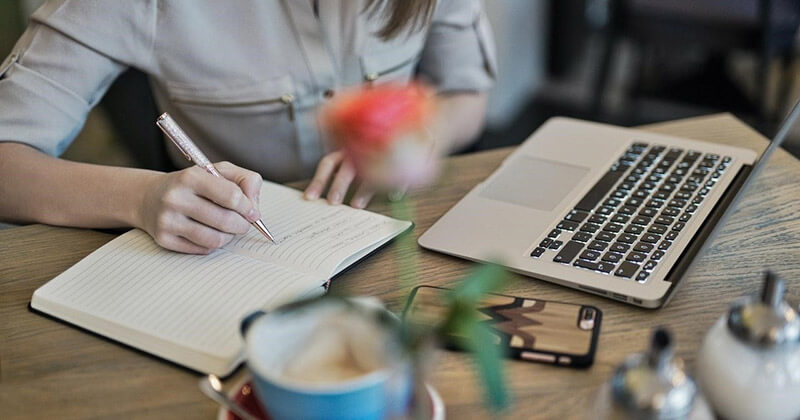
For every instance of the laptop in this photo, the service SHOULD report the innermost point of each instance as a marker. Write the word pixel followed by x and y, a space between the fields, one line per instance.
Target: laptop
pixel 612 211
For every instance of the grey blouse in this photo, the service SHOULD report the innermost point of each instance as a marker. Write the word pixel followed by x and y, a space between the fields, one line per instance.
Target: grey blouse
pixel 243 77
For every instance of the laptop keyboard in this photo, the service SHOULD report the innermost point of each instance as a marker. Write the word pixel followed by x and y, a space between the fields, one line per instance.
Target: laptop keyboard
pixel 629 219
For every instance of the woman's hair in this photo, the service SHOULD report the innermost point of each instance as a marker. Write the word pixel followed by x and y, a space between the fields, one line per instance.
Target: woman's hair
pixel 401 15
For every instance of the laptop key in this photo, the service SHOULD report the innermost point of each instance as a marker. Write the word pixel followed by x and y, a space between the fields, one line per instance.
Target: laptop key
pixel 626 269
pixel 605 210
pixel 556 244
pixel 619 247
pixel 650 265
pixel 612 227
pixel 590 255
pixel 567 225
pixel 590 227
pixel 643 247
pixel 554 233
pixel 655 204
pixel 620 218
pixel 662 194
pixel 650 238
pixel 612 257
pixel 657 229
pixel 692 208
pixel 649 212
pixel 598 245
pixel 619 194
pixel 664 220
pixel 605 267
pixel 627 210
pixel 678 226
pixel 604 236
pixel 581 236
pixel 664 245
pixel 586 264
pixel 641 220
pixel 537 252
pixel 545 242
pixel 634 202
pixel 642 276
pixel 577 216
pixel 634 229
pixel 677 203
pixel 636 257
pixel 657 255
pixel 670 212
pixel 568 253
pixel 596 218
pixel 627 238
pixel 672 235
pixel 685 217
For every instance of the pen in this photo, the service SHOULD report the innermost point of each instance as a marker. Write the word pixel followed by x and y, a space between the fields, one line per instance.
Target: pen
pixel 190 150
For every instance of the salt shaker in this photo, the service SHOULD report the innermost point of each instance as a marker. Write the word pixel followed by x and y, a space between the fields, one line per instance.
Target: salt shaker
pixel 651 385
pixel 749 364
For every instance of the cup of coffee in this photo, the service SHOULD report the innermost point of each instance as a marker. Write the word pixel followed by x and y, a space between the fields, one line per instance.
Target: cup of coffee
pixel 328 358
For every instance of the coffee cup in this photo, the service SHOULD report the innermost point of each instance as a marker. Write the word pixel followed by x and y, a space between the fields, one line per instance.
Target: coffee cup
pixel 328 358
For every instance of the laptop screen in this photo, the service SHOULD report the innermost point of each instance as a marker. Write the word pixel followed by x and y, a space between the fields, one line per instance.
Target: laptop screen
pixel 789 127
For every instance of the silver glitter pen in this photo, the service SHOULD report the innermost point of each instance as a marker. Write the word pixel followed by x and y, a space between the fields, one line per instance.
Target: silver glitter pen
pixel 190 150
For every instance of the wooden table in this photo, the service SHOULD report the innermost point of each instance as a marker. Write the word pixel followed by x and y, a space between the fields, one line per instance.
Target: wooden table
pixel 50 370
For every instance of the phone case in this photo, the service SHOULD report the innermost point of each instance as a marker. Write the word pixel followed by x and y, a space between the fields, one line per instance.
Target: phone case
pixel 535 330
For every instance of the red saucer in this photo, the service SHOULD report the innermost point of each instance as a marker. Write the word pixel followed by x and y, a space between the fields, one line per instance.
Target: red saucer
pixel 245 397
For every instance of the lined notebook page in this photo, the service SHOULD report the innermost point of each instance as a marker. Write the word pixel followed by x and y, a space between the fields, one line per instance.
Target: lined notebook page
pixel 169 303
pixel 313 236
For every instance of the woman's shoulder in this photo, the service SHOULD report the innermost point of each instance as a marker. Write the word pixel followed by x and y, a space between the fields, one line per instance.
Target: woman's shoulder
pixel 122 30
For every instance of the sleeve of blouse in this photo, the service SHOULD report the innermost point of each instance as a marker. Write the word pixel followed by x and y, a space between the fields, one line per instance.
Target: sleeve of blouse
pixel 459 52
pixel 53 77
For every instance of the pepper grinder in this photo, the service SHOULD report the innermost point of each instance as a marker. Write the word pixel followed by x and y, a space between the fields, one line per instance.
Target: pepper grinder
pixel 749 364
pixel 651 385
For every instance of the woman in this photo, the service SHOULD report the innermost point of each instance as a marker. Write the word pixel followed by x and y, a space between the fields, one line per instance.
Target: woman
pixel 243 78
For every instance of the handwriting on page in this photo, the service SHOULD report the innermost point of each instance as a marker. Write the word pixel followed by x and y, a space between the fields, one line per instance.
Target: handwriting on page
pixel 312 235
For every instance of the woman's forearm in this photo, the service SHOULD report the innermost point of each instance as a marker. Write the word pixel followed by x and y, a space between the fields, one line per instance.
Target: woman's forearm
pixel 39 188
pixel 459 120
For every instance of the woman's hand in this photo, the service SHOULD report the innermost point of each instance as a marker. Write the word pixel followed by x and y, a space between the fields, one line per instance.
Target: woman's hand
pixel 337 170
pixel 195 212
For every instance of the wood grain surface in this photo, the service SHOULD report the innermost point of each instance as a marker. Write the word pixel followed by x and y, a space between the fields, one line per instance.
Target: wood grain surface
pixel 51 370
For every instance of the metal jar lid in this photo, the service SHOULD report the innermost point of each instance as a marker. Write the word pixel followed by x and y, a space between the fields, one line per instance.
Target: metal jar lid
pixel 768 321
pixel 654 385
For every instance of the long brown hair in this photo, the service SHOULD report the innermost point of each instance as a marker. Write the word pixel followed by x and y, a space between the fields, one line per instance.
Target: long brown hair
pixel 401 15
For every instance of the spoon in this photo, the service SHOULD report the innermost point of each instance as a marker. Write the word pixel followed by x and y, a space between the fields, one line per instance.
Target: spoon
pixel 212 387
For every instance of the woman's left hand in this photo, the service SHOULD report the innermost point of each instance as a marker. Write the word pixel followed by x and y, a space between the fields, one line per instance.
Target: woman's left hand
pixel 338 171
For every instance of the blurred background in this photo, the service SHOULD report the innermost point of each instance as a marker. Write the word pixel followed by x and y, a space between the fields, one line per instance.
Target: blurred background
pixel 627 62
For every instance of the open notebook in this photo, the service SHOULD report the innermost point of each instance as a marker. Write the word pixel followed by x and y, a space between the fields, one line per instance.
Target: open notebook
pixel 187 308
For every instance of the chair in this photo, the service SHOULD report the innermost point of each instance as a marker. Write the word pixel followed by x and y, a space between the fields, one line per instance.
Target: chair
pixel 766 27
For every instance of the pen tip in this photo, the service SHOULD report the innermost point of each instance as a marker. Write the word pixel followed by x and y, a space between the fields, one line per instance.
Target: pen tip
pixel 259 225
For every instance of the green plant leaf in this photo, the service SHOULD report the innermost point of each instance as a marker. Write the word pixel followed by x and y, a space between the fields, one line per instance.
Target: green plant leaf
pixel 462 326
pixel 482 343
pixel 485 279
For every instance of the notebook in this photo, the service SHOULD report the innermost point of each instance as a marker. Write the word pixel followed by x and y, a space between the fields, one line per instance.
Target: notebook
pixel 187 308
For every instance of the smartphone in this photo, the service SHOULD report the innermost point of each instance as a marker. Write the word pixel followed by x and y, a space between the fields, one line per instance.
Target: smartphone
pixel 534 330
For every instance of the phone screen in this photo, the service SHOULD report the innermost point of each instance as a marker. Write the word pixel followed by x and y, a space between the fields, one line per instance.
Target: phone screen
pixel 531 329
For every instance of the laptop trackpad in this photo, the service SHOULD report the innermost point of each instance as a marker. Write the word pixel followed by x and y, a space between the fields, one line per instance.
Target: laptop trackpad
pixel 531 182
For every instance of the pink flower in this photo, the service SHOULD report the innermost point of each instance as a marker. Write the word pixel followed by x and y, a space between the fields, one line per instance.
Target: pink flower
pixel 382 129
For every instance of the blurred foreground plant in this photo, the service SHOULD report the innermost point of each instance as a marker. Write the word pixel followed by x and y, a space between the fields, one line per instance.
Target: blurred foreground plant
pixel 384 131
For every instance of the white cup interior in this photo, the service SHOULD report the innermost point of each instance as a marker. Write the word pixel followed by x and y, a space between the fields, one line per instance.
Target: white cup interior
pixel 276 338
